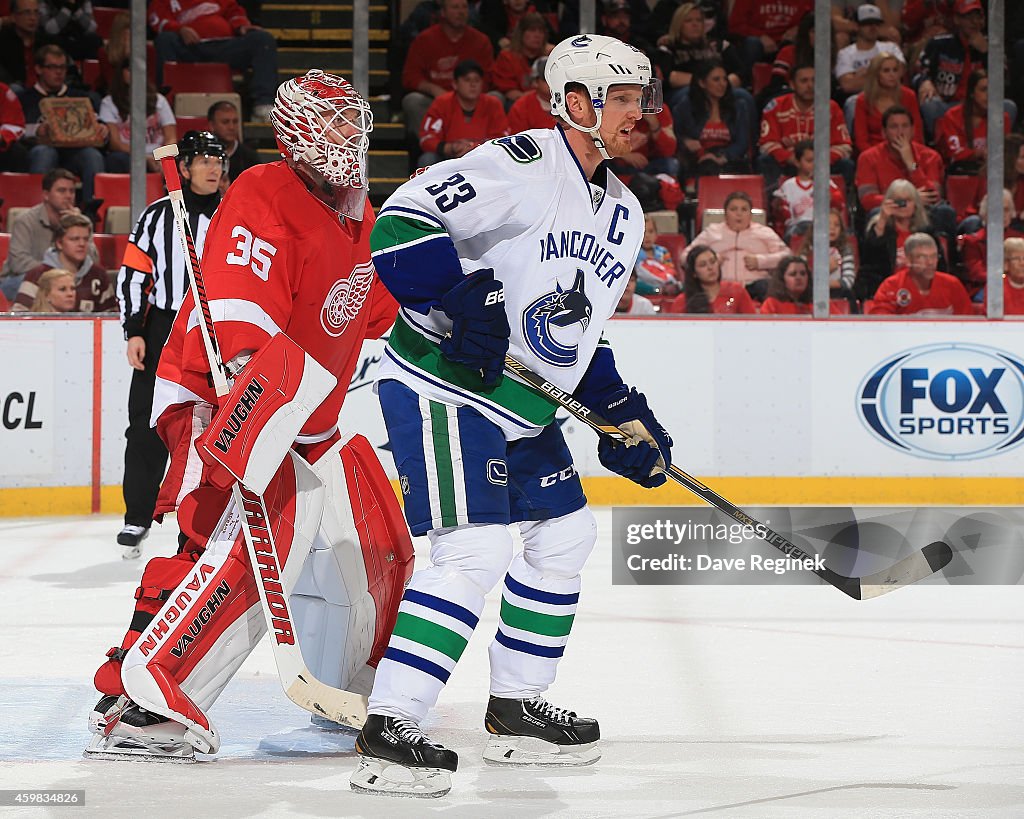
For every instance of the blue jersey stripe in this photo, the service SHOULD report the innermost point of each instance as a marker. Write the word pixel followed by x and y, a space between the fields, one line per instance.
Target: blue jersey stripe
pixel 526 648
pixel 529 593
pixel 411 660
pixel 453 610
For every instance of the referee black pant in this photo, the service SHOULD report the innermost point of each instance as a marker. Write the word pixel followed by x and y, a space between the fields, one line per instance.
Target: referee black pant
pixel 145 456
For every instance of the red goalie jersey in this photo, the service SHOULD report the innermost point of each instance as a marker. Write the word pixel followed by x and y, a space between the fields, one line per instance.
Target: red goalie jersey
pixel 275 261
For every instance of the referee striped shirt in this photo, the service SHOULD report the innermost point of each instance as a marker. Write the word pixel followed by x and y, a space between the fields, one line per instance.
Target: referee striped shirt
pixel 153 271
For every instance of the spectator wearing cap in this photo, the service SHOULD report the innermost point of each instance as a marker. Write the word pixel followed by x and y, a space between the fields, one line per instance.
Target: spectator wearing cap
pixel 845 23
pixel 852 62
pixel 433 55
pixel 617 22
pixel 510 75
pixel 947 62
pixel 533 109
pixel 460 120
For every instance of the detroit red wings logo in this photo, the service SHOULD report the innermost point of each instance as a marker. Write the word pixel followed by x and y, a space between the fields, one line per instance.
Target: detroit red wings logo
pixel 346 299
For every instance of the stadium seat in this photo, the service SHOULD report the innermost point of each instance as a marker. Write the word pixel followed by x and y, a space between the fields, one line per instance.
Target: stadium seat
pixel 761 76
pixel 19 190
pixel 196 104
pixel 714 215
pixel 210 78
pixel 963 193
pixel 111 247
pixel 712 190
pixel 115 190
pixel 186 124
pixel 104 16
pixel 119 220
pixel 91 72
pixel 675 243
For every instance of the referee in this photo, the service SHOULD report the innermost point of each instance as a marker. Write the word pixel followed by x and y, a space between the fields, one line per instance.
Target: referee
pixel 150 287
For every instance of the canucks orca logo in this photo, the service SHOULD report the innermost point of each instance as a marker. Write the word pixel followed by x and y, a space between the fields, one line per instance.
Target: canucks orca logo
pixel 582 40
pixel 550 323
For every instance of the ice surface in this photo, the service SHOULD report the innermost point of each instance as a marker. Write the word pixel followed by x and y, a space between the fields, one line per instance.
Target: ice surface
pixel 717 701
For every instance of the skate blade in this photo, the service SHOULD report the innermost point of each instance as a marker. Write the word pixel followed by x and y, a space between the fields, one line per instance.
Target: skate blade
pixel 382 778
pixel 100 748
pixel 523 752
pixel 131 552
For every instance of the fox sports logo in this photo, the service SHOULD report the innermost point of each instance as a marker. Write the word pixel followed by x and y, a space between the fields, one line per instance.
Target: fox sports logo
pixel 949 402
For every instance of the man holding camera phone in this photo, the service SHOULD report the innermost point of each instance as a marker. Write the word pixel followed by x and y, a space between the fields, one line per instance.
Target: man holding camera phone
pixel 900 157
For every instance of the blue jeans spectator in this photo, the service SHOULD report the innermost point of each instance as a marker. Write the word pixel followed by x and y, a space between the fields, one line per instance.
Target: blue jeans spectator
pixel 256 49
pixel 84 162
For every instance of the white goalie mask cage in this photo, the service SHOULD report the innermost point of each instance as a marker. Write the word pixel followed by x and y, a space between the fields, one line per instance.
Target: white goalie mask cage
pixel 323 124
pixel 598 62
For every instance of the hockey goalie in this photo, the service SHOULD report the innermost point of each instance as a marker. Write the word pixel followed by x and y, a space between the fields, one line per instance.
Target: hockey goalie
pixel 292 294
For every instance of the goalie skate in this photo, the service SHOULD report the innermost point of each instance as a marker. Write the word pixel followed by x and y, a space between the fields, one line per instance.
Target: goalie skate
pixel 535 732
pixel 398 760
pixel 124 731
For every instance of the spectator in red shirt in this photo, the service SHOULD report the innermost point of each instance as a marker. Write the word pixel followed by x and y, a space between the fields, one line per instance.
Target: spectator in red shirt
pixel 961 134
pixel 789 289
pixel 900 157
pixel 511 75
pixel 920 288
pixel 883 88
pixel 763 25
pixel 433 55
pixel 460 120
pixel 533 109
pixel 703 288
pixel 13 154
pixel 975 245
pixel 216 31
pixel 1013 169
pixel 789 119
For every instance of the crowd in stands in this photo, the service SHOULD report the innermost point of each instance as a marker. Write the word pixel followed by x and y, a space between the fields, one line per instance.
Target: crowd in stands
pixel 65 88
pixel 907 129
pixel 907 136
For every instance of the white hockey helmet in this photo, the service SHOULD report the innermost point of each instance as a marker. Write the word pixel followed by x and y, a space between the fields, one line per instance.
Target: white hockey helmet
pixel 598 62
pixel 323 125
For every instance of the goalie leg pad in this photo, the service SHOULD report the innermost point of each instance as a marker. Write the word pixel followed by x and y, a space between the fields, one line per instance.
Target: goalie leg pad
pixel 346 599
pixel 199 638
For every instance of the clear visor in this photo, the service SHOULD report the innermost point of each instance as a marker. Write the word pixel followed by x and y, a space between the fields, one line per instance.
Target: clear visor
pixel 651 101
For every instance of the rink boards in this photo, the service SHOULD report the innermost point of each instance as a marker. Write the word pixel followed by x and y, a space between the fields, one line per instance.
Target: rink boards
pixel 765 411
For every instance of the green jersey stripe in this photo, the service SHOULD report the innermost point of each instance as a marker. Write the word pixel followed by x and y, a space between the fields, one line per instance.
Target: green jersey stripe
pixel 549 625
pixel 430 634
pixel 391 231
pixel 443 463
pixel 510 394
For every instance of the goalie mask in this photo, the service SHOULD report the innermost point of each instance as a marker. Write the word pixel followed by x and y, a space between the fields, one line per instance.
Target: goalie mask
pixel 597 63
pixel 323 126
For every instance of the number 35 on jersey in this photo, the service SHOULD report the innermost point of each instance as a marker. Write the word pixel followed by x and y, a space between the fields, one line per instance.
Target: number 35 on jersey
pixel 252 251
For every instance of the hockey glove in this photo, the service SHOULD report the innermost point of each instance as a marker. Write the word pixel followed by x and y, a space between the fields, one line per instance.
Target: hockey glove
pixel 650 447
pixel 480 331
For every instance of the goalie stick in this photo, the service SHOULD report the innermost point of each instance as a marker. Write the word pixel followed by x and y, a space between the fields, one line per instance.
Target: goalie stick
pixel 917 566
pixel 301 687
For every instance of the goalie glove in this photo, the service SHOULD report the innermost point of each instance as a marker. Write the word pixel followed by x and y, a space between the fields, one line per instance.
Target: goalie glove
pixel 480 331
pixel 649 449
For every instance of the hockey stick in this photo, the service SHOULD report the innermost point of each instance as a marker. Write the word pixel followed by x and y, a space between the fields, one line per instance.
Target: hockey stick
pixel 299 684
pixel 917 566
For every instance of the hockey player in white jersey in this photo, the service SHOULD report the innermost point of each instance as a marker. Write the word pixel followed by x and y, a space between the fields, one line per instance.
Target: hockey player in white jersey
pixel 524 245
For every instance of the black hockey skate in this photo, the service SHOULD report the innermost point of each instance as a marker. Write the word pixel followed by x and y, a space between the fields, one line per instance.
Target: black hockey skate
pixel 399 760
pixel 535 732
pixel 123 730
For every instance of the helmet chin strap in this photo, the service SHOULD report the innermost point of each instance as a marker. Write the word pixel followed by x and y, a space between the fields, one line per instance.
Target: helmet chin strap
pixel 594 133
